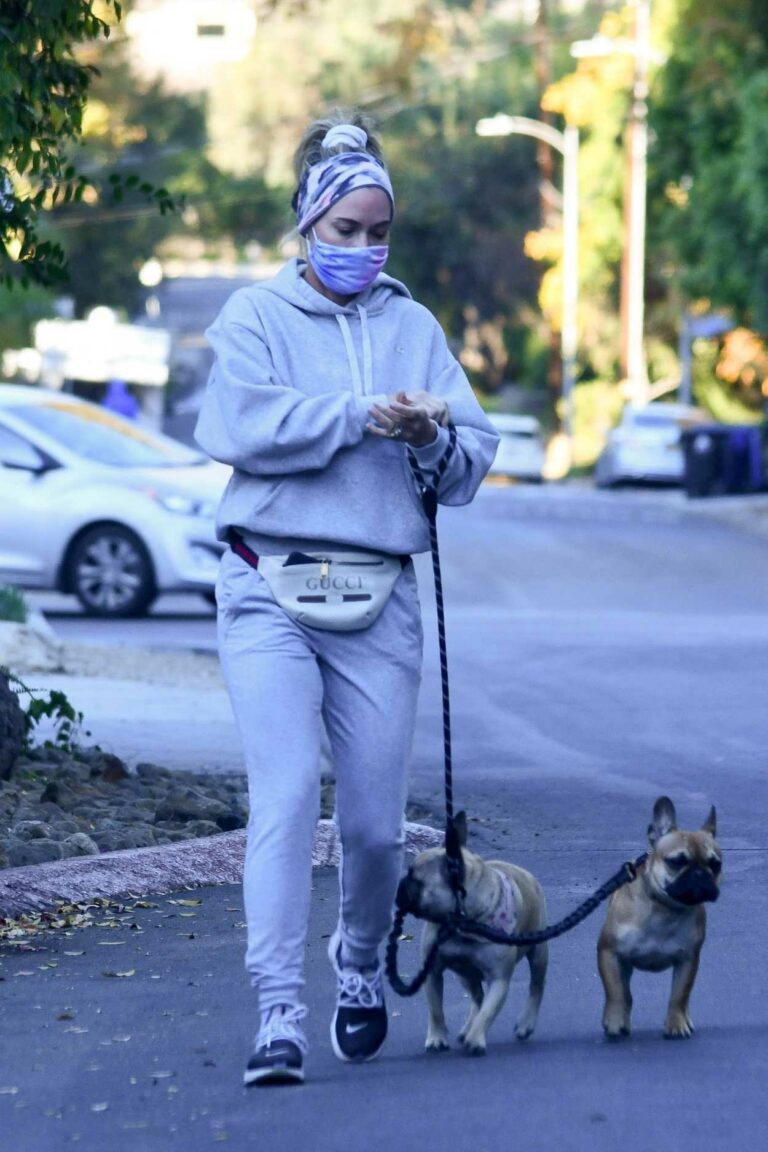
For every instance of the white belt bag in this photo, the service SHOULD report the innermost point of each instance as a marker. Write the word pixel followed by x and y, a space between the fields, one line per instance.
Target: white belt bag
pixel 337 592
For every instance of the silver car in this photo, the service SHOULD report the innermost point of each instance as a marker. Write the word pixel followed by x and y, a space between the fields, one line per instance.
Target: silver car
pixel 645 446
pixel 520 454
pixel 101 507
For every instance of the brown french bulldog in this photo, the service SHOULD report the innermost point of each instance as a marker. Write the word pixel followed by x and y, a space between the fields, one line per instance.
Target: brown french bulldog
pixel 659 921
pixel 498 894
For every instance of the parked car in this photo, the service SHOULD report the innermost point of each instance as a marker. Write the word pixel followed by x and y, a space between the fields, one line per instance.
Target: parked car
pixel 520 454
pixel 645 446
pixel 101 507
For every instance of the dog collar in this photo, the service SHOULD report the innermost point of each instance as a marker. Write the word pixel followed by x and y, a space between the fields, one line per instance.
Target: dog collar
pixel 504 916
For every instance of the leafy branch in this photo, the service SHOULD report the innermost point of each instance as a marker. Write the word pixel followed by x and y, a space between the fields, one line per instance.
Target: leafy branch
pixel 56 706
pixel 43 91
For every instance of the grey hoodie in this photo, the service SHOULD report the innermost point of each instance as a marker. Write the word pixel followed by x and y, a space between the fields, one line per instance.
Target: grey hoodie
pixel 287 405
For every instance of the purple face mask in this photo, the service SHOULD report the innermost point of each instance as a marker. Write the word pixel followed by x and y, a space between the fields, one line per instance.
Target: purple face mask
pixel 346 271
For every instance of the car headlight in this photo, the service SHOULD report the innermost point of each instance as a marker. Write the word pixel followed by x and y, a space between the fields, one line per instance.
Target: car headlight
pixel 183 505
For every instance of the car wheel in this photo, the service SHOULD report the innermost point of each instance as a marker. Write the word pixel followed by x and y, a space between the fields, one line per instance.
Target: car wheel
pixel 110 572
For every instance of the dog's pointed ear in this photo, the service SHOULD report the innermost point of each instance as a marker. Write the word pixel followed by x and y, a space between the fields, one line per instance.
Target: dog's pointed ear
pixel 710 824
pixel 460 824
pixel 664 820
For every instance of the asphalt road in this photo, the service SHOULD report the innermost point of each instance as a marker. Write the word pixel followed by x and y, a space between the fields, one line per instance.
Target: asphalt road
pixel 603 649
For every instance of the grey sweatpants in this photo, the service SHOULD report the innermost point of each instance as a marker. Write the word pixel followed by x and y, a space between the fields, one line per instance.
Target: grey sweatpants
pixel 284 680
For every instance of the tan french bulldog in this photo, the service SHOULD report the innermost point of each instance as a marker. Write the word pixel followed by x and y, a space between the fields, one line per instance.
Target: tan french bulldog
pixel 498 894
pixel 659 921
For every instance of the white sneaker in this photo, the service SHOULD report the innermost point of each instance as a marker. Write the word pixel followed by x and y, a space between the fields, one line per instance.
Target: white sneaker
pixel 280 1048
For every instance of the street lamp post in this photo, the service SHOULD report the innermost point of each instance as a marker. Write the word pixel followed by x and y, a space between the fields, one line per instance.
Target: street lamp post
pixel 567 143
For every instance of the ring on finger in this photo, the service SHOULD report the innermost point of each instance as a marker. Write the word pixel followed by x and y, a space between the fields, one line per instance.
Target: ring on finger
pixel 395 432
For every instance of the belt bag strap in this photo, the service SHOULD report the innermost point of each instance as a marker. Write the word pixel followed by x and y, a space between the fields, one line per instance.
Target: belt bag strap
pixel 335 592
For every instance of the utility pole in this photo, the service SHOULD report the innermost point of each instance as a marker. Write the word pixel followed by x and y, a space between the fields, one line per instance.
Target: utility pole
pixel 633 365
pixel 548 207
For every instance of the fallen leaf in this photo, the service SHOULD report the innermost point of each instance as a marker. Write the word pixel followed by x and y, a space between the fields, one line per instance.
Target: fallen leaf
pixel 112 943
pixel 186 903
pixel 130 972
pixel 121 1039
pixel 8 1091
pixel 82 953
pixel 99 1107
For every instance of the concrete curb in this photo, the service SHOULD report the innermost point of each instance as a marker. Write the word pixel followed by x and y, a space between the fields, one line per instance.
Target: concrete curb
pixel 155 871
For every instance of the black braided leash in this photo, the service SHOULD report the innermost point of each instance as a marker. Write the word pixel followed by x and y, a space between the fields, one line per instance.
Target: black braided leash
pixel 458 923
pixel 428 493
pixel 461 925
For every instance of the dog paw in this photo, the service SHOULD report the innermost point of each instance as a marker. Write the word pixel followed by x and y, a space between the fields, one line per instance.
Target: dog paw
pixel 615 1034
pixel 437 1046
pixel 678 1027
pixel 474 1048
pixel 523 1031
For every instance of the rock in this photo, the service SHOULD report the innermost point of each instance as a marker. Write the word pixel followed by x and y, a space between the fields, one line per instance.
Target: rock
pixel 12 727
pixel 79 845
pixel 198 828
pixel 22 852
pixel 31 830
pixel 113 769
pixel 128 836
pixel 153 772
pixel 185 804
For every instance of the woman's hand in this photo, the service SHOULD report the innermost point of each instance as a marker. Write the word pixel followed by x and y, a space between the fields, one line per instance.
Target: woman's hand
pixel 412 418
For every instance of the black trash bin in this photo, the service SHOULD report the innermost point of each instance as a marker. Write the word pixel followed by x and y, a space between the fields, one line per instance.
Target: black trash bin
pixel 703 455
pixel 724 459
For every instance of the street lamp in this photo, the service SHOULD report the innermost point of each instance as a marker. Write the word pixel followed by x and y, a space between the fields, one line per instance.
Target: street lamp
pixel 567 143
pixel 633 273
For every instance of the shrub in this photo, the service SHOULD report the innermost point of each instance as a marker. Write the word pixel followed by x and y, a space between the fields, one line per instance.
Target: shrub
pixel 13 606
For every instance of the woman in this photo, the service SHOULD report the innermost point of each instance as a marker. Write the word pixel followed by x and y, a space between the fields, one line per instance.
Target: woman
pixel 325 379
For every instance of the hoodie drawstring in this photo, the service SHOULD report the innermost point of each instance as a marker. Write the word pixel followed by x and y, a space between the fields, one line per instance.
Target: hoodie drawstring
pixel 363 386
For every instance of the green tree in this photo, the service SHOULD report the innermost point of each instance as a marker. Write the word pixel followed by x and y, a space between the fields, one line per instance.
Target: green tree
pixel 708 172
pixel 43 91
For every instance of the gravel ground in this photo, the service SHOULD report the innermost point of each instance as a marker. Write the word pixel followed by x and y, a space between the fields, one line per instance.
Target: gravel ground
pixel 62 803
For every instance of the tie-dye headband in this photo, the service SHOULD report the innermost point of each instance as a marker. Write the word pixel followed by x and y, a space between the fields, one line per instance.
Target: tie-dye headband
pixel 328 181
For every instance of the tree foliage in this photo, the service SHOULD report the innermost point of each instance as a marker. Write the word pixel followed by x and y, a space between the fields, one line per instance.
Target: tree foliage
pixel 709 162
pixel 44 86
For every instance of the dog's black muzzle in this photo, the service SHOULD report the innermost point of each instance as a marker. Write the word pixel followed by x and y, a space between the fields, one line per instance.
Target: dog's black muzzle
pixel 695 886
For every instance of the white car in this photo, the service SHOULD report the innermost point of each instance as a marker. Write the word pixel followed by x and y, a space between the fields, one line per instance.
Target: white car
pixel 520 454
pixel 101 507
pixel 645 446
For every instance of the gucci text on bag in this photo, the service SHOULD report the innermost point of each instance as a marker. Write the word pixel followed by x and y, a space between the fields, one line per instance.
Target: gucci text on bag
pixel 338 592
